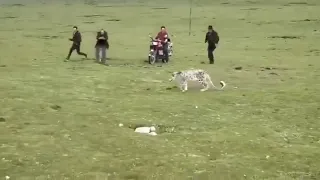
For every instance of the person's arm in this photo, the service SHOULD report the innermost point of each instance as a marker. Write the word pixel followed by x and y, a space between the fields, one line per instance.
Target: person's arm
pixel 71 39
pixel 217 38
pixel 97 37
pixel 166 38
pixel 157 36
pixel 79 37
pixel 106 36
pixel 101 37
pixel 206 39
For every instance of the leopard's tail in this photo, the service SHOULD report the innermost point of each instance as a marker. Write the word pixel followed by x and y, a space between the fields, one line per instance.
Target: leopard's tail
pixel 222 83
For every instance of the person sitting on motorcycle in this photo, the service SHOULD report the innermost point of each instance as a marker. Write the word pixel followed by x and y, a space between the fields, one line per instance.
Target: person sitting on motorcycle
pixel 162 36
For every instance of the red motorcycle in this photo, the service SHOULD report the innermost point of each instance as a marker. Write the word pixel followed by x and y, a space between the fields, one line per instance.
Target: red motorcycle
pixel 156 51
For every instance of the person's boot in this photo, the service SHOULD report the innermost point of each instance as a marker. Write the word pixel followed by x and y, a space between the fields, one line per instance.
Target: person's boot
pixel 67 58
pixel 167 57
pixel 211 61
pixel 105 63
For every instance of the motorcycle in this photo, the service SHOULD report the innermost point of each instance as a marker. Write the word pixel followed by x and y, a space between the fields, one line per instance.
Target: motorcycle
pixel 156 51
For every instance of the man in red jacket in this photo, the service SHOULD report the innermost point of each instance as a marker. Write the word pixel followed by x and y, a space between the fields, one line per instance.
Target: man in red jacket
pixel 163 37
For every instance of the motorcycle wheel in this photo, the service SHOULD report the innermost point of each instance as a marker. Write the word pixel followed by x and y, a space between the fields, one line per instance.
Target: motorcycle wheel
pixel 152 59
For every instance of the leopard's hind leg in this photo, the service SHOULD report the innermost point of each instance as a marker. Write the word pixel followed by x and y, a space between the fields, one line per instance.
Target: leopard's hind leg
pixel 205 85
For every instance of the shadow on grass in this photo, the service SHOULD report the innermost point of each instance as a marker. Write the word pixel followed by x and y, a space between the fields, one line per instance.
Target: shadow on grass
pixel 251 9
pixel 252 2
pixel 272 68
pixel 41 37
pixel 43 29
pixel 316 52
pixel 98 16
pixel 55 107
pixel 8 17
pixel 105 6
pixel 274 49
pixel 93 15
pixel 88 22
pixel 159 8
pixel 306 20
pixel 285 37
pixel 91 2
pixel 81 60
pixel 2 119
pixel 14 5
pixel 299 3
pixel 113 20
pixel 171 88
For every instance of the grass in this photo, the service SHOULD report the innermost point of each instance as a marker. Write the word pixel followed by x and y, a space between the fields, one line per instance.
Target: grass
pixel 60 120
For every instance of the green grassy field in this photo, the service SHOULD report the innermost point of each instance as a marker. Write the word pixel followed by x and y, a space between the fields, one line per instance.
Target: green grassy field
pixel 59 120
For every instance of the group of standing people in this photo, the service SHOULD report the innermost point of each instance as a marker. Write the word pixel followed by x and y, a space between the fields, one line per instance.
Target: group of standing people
pixel 102 44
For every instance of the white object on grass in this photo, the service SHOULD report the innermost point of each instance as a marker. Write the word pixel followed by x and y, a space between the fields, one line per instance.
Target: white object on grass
pixel 7 177
pixel 152 129
pixel 145 130
pixel 153 133
pixel 120 125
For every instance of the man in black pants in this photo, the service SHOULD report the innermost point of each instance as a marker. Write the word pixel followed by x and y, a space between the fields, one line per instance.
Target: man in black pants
pixel 76 39
pixel 212 38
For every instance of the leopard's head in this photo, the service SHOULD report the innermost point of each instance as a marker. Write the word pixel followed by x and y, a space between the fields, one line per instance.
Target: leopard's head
pixel 174 76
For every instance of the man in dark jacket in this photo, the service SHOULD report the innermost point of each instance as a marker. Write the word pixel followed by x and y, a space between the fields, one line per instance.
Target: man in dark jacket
pixel 76 39
pixel 101 46
pixel 212 38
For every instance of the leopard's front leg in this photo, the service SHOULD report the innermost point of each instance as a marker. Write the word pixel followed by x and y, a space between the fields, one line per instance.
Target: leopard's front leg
pixel 184 86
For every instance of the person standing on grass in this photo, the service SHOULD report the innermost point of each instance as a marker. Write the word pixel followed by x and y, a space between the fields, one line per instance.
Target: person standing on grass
pixel 101 46
pixel 212 38
pixel 76 39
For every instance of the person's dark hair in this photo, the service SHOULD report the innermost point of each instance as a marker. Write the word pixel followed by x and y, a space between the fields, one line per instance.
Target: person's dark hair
pixel 75 27
pixel 210 27
pixel 163 27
